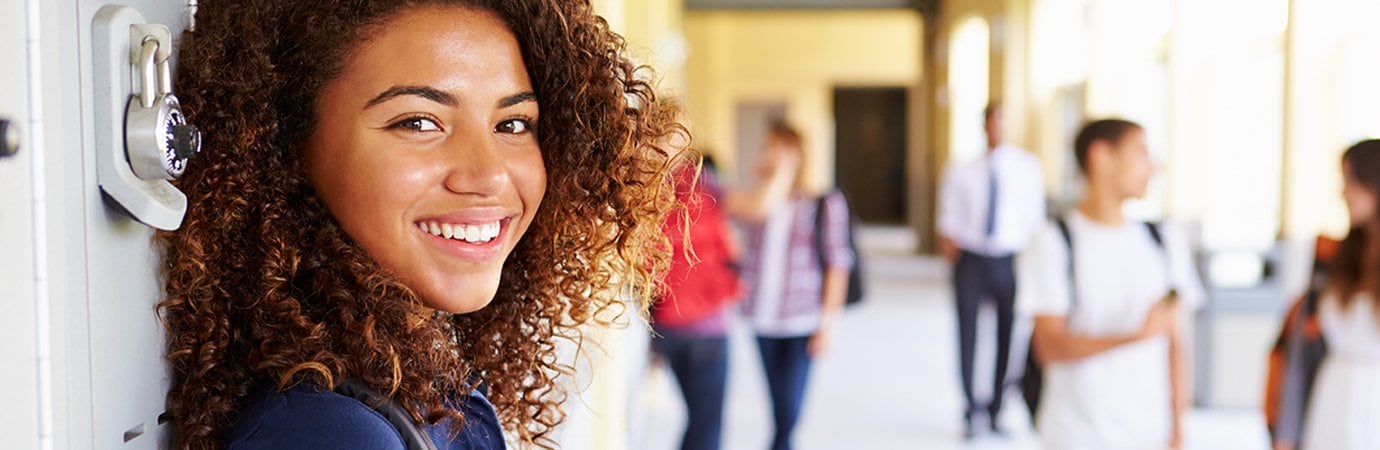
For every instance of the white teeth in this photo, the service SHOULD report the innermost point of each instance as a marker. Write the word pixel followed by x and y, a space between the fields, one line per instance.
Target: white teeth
pixel 474 234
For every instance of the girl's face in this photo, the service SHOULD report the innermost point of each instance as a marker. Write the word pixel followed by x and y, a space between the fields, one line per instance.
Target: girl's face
pixel 425 151
pixel 1360 199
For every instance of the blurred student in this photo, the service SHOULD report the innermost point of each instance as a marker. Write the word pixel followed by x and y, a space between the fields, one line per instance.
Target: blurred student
pixel 988 210
pixel 794 298
pixel 1107 294
pixel 1343 406
pixel 692 319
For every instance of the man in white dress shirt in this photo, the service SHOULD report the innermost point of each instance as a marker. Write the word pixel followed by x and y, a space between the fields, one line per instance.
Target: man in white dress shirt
pixel 988 210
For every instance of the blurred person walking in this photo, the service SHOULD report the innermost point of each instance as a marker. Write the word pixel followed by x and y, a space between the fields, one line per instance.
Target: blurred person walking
pixel 1107 295
pixel 692 320
pixel 988 210
pixel 794 296
pixel 1343 401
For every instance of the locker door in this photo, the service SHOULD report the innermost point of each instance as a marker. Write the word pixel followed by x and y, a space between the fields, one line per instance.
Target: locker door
pixel 109 376
pixel 128 379
pixel 19 425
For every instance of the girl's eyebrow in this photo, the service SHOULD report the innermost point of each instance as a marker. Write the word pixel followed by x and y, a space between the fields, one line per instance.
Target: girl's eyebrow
pixel 426 92
pixel 514 99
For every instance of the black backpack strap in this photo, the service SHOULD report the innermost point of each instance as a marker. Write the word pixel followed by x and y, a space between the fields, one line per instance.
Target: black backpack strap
pixel 413 436
pixel 1154 229
pixel 819 230
pixel 1067 234
pixel 1310 301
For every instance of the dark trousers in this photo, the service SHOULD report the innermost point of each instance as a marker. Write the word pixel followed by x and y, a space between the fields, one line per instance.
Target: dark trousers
pixel 700 364
pixel 978 278
pixel 787 364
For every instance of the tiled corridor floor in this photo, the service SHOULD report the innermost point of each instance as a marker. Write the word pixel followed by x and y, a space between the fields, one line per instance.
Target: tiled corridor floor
pixel 891 380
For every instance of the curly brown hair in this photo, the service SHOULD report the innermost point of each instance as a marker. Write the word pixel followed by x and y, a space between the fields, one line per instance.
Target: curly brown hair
pixel 265 290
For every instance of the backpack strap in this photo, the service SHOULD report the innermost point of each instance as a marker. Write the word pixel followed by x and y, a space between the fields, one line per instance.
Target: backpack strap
pixel 1154 229
pixel 1067 234
pixel 819 228
pixel 413 436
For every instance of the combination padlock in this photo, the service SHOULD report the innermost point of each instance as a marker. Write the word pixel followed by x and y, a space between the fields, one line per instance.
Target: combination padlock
pixel 158 139
pixel 142 138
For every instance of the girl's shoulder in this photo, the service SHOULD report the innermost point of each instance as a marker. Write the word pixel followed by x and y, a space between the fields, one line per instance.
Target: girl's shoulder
pixel 307 416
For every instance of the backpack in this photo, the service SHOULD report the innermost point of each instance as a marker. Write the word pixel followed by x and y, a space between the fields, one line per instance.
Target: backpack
pixel 1297 354
pixel 855 278
pixel 1032 382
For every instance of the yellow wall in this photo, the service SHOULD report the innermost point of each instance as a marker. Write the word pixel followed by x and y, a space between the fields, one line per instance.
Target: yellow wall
pixel 797 57
pixel 653 32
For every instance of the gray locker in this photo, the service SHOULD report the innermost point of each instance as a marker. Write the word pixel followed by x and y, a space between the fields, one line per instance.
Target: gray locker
pixel 82 356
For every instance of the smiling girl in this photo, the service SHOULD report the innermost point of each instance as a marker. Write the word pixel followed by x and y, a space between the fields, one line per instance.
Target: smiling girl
pixel 414 198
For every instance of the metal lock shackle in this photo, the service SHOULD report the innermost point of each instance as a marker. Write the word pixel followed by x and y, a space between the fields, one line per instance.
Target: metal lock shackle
pixel 158 139
pixel 155 76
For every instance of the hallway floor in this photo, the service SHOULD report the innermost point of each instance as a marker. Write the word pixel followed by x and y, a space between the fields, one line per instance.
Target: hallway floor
pixel 890 381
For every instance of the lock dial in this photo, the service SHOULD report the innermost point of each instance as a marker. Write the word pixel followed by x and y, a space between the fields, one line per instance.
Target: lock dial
pixel 159 141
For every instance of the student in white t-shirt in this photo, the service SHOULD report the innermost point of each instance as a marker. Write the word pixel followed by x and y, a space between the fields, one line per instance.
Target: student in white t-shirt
pixel 1109 323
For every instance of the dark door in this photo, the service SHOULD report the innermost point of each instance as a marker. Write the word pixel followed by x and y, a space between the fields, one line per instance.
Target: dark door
pixel 870 151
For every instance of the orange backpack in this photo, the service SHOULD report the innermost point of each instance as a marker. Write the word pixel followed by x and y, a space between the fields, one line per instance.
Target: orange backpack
pixel 1297 354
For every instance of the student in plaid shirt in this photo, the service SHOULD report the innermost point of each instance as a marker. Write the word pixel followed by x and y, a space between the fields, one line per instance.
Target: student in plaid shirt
pixel 794 296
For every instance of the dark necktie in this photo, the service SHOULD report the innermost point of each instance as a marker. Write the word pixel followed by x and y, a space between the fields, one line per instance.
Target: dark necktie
pixel 991 199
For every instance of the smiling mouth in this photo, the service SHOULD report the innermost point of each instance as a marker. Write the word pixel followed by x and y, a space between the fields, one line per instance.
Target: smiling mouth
pixel 471 233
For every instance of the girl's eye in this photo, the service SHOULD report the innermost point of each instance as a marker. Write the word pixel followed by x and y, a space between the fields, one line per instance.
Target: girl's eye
pixel 514 126
pixel 416 124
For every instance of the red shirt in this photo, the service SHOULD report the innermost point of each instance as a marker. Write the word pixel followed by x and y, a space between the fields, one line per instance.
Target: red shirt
pixel 696 290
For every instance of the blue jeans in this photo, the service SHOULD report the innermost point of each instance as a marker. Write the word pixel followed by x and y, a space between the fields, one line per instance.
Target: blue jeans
pixel 787 363
pixel 700 364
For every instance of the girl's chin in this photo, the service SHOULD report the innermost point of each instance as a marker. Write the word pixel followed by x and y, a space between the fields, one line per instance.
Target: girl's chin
pixel 463 298
pixel 460 306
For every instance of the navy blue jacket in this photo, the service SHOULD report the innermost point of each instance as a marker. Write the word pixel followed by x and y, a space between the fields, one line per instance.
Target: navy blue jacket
pixel 307 417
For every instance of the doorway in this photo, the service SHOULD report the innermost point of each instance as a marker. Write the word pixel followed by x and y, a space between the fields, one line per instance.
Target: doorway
pixel 870 151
